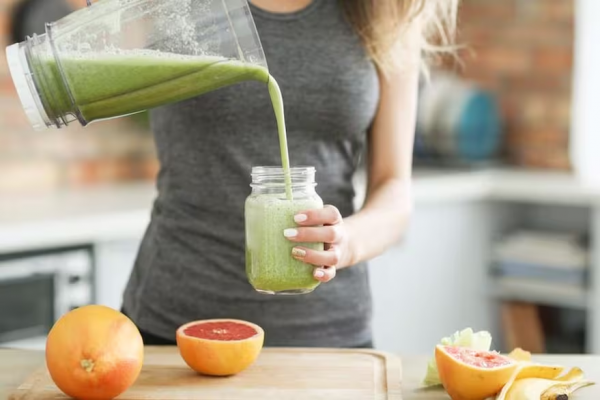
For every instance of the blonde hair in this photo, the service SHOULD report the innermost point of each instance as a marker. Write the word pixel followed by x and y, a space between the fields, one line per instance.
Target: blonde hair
pixel 384 25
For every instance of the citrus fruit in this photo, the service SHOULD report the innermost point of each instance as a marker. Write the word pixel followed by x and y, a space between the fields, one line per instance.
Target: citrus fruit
pixel 469 374
pixel 481 340
pixel 220 347
pixel 94 352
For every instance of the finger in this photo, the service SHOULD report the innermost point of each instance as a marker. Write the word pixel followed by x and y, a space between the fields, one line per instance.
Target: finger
pixel 328 215
pixel 324 274
pixel 320 234
pixel 327 258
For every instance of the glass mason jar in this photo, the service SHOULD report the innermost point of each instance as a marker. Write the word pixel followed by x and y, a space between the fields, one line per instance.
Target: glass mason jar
pixel 270 267
pixel 116 58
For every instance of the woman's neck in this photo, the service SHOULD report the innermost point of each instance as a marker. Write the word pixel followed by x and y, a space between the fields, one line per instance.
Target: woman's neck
pixel 278 6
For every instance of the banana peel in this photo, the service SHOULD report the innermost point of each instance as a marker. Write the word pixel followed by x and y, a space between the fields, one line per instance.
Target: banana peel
pixel 535 381
pixel 544 389
pixel 564 392
pixel 529 369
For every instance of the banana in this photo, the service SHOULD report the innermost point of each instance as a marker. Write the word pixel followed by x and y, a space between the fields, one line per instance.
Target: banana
pixel 564 391
pixel 556 393
pixel 530 384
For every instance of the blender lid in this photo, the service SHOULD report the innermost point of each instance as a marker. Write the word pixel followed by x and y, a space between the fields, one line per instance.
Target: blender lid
pixel 19 73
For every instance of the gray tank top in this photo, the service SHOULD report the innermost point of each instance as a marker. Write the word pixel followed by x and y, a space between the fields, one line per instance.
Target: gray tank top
pixel 191 261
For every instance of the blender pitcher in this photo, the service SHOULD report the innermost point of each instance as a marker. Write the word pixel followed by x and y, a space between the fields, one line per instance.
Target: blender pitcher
pixel 121 57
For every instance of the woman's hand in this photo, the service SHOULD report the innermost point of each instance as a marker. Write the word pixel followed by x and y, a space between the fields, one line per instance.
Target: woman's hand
pixel 324 225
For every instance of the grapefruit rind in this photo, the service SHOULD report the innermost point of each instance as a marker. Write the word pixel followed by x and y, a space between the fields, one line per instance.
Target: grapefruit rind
pixel 215 357
pixel 463 381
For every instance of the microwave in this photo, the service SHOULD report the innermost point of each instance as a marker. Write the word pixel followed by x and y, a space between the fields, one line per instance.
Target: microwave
pixel 37 288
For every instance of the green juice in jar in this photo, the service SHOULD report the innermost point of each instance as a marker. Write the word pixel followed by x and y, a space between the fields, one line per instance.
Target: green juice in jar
pixel 278 194
pixel 270 266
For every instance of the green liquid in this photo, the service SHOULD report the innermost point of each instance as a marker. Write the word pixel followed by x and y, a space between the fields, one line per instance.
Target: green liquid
pixel 113 85
pixel 107 86
pixel 277 101
pixel 269 264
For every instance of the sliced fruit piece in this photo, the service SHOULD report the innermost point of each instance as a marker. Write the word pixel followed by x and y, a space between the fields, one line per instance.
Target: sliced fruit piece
pixel 481 340
pixel 468 374
pixel 220 347
pixel 94 352
pixel 520 355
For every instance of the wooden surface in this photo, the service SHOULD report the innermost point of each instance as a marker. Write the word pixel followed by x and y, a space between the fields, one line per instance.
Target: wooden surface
pixel 289 374
pixel 17 365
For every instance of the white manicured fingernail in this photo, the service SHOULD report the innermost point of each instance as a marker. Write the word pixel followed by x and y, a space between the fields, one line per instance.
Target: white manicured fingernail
pixel 319 274
pixel 300 217
pixel 290 232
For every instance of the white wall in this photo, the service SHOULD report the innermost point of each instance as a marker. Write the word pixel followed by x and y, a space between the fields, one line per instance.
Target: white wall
pixel 114 262
pixel 585 124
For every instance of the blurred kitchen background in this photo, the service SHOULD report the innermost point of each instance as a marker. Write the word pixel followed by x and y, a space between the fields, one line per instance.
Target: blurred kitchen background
pixel 506 231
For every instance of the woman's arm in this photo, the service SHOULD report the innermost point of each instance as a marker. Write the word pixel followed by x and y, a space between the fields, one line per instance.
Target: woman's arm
pixel 384 216
pixel 388 204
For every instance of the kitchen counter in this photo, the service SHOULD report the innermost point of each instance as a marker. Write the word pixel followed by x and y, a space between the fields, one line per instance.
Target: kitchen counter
pixel 75 216
pixel 16 365
pixel 114 212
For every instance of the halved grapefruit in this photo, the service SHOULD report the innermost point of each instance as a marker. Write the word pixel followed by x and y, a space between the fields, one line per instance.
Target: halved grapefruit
pixel 220 347
pixel 469 374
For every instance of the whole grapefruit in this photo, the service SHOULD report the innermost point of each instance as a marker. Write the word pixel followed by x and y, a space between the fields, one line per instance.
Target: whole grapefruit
pixel 220 347
pixel 94 352
pixel 468 374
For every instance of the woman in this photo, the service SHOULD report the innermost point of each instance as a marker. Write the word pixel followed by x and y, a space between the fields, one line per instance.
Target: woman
pixel 348 71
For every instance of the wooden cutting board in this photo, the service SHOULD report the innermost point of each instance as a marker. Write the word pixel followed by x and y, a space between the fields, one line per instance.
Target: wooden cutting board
pixel 282 374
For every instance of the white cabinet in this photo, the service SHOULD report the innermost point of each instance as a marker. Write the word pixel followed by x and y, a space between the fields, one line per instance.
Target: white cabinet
pixel 114 262
pixel 433 283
